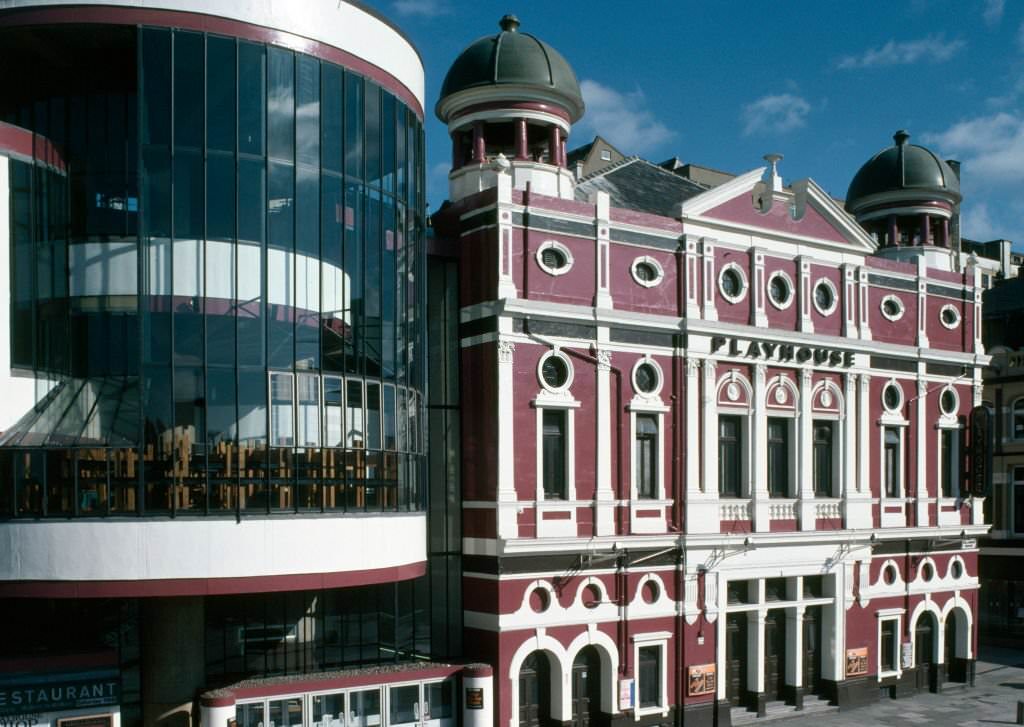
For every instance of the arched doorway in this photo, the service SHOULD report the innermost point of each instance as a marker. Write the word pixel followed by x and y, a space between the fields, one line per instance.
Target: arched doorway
pixel 535 691
pixel 925 636
pixel 957 633
pixel 586 688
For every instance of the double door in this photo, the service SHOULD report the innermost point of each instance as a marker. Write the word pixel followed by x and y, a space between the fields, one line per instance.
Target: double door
pixel 775 655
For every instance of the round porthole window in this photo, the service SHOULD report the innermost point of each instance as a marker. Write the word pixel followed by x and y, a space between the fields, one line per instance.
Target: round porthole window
pixel 540 600
pixel 780 290
pixel 824 297
pixel 889 575
pixel 646 378
pixel 591 596
pixel 957 569
pixel 948 402
pixel 650 592
pixel 554 258
pixel 927 572
pixel 732 283
pixel 892 307
pixel 554 371
pixel 647 271
pixel 949 316
pixel 892 397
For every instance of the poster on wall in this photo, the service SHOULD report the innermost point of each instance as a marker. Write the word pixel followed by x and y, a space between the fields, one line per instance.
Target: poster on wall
pixel 907 655
pixel 474 698
pixel 700 679
pixel 857 662
pixel 625 694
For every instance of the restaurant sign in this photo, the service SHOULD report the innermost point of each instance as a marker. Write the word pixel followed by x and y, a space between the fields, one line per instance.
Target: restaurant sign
pixel 56 692
pixel 980 450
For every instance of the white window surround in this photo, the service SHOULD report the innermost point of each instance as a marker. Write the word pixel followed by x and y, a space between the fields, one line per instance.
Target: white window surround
pixel 744 283
pixel 570 372
pixel 658 269
pixel 647 406
pixel 606 155
pixel 782 387
pixel 894 415
pixel 567 403
pixel 660 640
pixel 835 296
pixel 655 393
pixel 790 290
pixel 900 311
pixel 949 418
pixel 901 429
pixel 956 314
pixel 566 253
pixel 883 615
pixel 792 451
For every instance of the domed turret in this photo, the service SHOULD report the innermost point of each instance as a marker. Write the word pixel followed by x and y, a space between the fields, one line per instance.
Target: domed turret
pixel 905 197
pixel 509 101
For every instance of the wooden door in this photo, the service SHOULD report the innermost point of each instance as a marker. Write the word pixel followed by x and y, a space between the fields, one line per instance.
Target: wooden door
pixel 812 648
pixel 586 688
pixel 534 691
pixel 735 657
pixel 774 655
pixel 924 640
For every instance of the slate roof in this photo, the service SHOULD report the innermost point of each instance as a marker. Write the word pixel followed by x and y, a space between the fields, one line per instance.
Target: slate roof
pixel 637 184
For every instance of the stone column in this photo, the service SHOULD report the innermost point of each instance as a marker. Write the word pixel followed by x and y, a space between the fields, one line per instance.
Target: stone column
pixel 924 431
pixel 925 229
pixel 479 143
pixel 605 496
pixel 894 231
pixel 554 145
pixel 758 468
pixel 522 146
pixel 804 452
pixel 507 499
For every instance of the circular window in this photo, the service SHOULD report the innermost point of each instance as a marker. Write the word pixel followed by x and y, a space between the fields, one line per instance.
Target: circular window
pixel 948 402
pixel 949 316
pixel 650 592
pixel 591 596
pixel 892 307
pixel 927 572
pixel 646 378
pixel 892 397
pixel 554 258
pixel 540 599
pixel 554 371
pixel 957 569
pixel 889 575
pixel 647 271
pixel 732 283
pixel 825 297
pixel 780 290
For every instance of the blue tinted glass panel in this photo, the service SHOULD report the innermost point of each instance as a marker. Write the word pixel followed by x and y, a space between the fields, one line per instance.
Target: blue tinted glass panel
pixel 188 90
pixel 281 103
pixel 307 110
pixel 353 126
pixel 156 85
pixel 331 116
pixel 252 107
pixel 372 133
pixel 220 94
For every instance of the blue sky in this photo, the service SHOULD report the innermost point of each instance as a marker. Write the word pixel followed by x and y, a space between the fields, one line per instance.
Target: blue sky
pixel 824 83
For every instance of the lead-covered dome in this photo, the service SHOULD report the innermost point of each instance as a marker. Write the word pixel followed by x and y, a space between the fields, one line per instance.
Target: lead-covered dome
pixel 902 171
pixel 518 60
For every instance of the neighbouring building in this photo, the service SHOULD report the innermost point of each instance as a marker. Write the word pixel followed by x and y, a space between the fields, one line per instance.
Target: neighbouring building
pixel 712 431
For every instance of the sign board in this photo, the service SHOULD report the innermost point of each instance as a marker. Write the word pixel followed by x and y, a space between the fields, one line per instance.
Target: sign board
pixel 474 698
pixel 857 662
pixel 625 694
pixel 701 679
pixel 57 692
pixel 980 472
pixel 93 720
pixel 906 655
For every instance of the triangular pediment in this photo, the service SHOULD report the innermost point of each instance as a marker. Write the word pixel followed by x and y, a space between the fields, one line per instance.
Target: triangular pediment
pixel 804 211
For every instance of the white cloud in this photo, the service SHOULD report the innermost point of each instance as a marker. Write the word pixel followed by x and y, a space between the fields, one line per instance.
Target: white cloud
pixel 622 118
pixel 421 8
pixel 933 49
pixel 991 148
pixel 976 223
pixel 993 12
pixel 775 114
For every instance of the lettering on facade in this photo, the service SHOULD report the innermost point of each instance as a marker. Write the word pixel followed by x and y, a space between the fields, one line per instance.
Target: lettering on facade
pixel 781 352
pixel 19 720
pixel 701 679
pixel 980 449
pixel 625 694
pixel 60 692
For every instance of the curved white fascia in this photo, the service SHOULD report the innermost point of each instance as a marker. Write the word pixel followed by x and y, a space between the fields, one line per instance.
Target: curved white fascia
pixel 332 22
pixel 205 548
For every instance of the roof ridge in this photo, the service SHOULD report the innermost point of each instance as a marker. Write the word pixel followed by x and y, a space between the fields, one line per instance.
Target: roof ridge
pixel 614 165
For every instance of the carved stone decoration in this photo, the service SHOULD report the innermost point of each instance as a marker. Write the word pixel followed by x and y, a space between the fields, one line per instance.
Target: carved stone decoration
pixel 692 366
pixel 506 349
pixel 732 391
pixel 826 398
pixel 604 359
pixel 780 394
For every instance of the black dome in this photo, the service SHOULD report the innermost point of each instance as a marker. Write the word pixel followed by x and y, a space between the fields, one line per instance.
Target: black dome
pixel 514 58
pixel 902 167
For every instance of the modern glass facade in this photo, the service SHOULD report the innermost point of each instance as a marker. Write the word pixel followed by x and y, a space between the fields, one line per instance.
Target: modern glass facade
pixel 224 294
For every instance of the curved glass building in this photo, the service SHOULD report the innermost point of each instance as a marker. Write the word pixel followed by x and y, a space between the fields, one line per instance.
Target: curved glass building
pixel 215 237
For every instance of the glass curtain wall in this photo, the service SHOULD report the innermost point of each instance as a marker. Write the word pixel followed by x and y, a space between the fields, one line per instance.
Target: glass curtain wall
pixel 239 250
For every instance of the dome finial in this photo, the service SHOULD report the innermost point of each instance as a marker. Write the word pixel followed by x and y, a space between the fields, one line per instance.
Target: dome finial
pixel 509 23
pixel 900 137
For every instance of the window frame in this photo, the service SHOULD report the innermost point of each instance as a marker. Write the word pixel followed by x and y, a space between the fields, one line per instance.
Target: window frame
pixel 659 271
pixel 739 459
pixel 1016 411
pixel 790 289
pixel 744 283
pixel 832 459
pixel 562 249
pixel 900 473
pixel 563 486
pixel 656 440
pixel 948 465
pixel 658 641
pixel 1016 479
pixel 895 617
pixel 781 446
pixel 826 282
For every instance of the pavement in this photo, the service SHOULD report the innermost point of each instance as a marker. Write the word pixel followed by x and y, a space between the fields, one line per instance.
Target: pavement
pixel 998 684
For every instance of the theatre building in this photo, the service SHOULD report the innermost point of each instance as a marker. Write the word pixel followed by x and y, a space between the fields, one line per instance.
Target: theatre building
pixel 713 438
pixel 213 218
